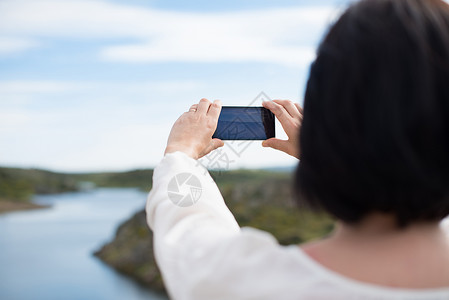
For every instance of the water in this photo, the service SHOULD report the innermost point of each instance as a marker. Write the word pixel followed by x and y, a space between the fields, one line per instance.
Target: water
pixel 47 253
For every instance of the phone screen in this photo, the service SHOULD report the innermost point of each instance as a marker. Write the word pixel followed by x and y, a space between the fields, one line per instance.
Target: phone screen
pixel 245 123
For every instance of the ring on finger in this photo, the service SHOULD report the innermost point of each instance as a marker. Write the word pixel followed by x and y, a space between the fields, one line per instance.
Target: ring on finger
pixel 193 108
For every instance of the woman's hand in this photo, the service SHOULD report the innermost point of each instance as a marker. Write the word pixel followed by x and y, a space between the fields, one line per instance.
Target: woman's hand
pixel 192 132
pixel 290 116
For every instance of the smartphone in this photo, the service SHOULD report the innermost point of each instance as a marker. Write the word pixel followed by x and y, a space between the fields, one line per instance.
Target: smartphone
pixel 245 123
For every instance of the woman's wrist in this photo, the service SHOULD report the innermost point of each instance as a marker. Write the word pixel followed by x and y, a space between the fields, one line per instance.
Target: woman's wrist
pixel 186 150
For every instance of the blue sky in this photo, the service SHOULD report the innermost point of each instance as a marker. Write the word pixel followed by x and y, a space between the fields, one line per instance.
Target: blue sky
pixel 90 85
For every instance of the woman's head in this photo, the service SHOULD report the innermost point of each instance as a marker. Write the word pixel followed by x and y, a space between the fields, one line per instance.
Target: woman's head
pixel 375 134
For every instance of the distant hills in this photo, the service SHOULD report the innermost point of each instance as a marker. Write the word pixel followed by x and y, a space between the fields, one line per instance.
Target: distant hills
pixel 17 186
pixel 21 184
pixel 283 169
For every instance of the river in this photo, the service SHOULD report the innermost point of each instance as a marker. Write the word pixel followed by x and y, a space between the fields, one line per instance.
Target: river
pixel 47 253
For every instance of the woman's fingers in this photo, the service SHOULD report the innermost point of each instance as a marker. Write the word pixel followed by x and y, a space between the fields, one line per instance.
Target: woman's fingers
pixel 215 109
pixel 301 110
pixel 193 108
pixel 290 107
pixel 290 116
pixel 282 145
pixel 203 106
pixel 278 110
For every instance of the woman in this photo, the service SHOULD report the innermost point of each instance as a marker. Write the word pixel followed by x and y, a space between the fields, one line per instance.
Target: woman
pixel 374 153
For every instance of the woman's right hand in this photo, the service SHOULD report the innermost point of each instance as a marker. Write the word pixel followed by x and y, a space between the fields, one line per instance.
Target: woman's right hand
pixel 290 116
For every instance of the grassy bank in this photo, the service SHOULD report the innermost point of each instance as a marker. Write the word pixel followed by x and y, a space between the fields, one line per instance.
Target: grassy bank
pixel 17 187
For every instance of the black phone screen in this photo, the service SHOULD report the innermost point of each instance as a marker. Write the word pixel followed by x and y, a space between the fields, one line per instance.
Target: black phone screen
pixel 245 123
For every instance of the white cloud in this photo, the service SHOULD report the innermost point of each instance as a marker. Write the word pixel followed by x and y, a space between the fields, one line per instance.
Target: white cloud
pixel 10 45
pixel 33 87
pixel 128 146
pixel 218 52
pixel 36 86
pixel 12 119
pixel 278 35
pixel 85 125
pixel 76 125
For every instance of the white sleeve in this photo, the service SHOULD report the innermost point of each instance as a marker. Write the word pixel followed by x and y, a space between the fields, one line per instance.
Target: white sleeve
pixel 184 235
pixel 201 251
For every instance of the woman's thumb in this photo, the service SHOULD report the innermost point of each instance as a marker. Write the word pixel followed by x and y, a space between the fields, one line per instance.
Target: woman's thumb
pixel 214 144
pixel 275 144
pixel 217 143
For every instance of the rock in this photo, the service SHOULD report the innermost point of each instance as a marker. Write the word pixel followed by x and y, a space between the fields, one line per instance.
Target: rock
pixel 9 206
pixel 131 252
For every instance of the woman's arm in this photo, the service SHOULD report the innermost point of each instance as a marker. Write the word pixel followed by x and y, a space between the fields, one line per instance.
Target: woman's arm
pixel 200 249
pixel 185 233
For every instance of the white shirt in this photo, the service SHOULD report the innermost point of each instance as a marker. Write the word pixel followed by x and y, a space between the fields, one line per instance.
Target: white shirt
pixel 203 254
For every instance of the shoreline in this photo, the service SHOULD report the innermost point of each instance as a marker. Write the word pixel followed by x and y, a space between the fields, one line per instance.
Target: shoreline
pixel 7 206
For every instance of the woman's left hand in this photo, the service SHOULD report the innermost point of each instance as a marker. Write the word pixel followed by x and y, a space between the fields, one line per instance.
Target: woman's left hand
pixel 192 132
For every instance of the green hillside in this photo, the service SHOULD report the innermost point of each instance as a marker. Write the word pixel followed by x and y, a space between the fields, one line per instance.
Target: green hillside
pixel 135 178
pixel 21 184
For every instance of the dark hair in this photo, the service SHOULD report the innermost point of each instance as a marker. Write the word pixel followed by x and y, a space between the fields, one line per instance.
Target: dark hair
pixel 375 134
